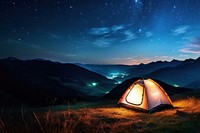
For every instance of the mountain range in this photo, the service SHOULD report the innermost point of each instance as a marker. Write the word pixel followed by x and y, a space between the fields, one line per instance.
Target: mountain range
pixel 40 82
pixel 177 73
pixel 186 74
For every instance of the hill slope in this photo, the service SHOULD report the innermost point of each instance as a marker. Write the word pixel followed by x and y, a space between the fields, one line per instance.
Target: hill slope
pixel 41 82
pixel 184 119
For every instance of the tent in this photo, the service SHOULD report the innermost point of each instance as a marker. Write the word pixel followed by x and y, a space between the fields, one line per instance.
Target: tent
pixel 145 94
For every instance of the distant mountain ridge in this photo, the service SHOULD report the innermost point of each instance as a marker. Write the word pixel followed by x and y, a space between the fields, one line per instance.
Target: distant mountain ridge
pixel 131 70
pixel 184 74
pixel 179 73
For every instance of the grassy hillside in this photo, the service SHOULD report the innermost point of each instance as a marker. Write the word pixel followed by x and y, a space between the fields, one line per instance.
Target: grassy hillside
pixel 184 118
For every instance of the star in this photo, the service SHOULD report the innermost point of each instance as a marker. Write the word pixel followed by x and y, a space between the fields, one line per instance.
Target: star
pixel 117 29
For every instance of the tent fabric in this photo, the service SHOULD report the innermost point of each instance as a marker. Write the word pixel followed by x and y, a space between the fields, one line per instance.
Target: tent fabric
pixel 145 95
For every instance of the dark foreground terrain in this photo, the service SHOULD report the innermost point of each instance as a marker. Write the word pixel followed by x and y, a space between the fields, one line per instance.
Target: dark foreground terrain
pixel 105 117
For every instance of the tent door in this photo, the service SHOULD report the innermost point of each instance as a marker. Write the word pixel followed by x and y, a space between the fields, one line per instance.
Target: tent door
pixel 135 95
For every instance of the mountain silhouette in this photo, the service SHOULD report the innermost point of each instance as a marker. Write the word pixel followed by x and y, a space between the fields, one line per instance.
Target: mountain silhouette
pixel 177 73
pixel 143 69
pixel 43 82
pixel 184 74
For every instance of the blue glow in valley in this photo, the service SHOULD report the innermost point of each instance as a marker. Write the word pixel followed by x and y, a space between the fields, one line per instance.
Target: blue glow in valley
pixel 117 75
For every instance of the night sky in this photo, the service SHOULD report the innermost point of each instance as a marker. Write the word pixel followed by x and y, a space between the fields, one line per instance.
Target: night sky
pixel 100 31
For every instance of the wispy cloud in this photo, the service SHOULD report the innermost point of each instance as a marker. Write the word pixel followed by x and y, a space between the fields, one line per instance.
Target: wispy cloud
pixel 130 60
pixel 13 41
pixel 189 50
pixel 103 42
pixel 23 44
pixel 54 36
pixel 51 35
pixel 188 38
pixel 106 36
pixel 149 34
pixel 163 57
pixel 99 31
pixel 106 30
pixel 129 35
pixel 181 30
pixel 71 55
pixel 193 47
pixel 116 28
pixel 37 47
pixel 56 55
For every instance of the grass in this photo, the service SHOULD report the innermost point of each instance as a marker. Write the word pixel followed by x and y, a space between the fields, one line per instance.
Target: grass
pixel 184 118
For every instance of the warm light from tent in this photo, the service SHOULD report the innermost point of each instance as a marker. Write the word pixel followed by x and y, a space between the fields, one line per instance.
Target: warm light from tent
pixel 155 93
pixel 135 95
pixel 152 88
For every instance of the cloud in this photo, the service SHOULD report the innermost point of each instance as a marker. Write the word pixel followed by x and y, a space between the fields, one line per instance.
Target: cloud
pixel 149 34
pixel 71 55
pixel 54 36
pixel 23 44
pixel 116 28
pixel 13 41
pixel 188 38
pixel 193 47
pixel 129 35
pixel 130 60
pixel 181 30
pixel 105 36
pixel 51 35
pixel 106 30
pixel 103 42
pixel 99 31
pixel 36 47
pixel 56 56
pixel 162 57
pixel 189 50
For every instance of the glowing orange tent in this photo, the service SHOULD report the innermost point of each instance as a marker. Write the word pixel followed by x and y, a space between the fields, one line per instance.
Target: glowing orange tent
pixel 146 95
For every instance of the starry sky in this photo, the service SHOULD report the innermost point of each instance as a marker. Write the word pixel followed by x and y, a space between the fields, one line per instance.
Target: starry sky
pixel 100 31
